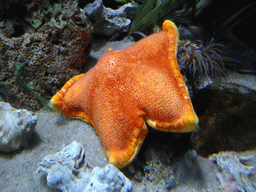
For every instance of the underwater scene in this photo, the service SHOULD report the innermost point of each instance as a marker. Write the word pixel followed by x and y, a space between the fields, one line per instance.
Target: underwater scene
pixel 127 95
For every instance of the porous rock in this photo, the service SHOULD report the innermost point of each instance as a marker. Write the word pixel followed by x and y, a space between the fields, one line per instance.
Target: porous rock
pixel 52 53
pixel 153 171
pixel 16 127
pixel 158 170
pixel 107 21
pixel 68 170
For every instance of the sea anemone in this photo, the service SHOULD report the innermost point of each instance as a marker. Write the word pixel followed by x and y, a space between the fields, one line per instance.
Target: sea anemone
pixel 201 61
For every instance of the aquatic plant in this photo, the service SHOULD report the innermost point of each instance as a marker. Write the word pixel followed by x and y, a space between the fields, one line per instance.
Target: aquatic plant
pixel 199 60
pixel 22 83
pixel 153 10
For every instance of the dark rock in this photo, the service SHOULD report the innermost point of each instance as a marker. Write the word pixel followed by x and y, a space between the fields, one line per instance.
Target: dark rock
pixel 227 116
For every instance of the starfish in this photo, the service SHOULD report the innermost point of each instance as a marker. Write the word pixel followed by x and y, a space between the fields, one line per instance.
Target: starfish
pixel 127 89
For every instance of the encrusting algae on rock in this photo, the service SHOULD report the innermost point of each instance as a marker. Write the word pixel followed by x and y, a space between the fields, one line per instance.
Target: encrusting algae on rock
pixel 127 89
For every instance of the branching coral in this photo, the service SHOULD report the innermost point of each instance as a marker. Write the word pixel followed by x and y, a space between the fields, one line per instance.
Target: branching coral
pixel 199 60
pixel 46 12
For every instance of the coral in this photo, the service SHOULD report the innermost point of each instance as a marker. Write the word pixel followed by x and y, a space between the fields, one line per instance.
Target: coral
pixel 54 14
pixel 16 127
pixel 107 21
pixel 68 170
pixel 50 56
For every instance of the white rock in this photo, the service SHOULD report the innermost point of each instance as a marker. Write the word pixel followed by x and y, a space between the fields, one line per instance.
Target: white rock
pixel 108 178
pixel 107 21
pixel 68 170
pixel 16 127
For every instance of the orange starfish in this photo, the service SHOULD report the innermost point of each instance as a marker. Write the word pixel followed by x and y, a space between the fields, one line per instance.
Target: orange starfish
pixel 127 89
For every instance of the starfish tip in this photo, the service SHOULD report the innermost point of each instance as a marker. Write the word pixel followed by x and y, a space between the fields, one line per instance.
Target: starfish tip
pixel 170 28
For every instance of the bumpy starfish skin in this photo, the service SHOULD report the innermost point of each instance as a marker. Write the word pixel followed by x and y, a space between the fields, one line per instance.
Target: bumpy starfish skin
pixel 127 89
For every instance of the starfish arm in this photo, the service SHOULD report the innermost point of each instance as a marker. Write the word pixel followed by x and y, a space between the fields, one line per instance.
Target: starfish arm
pixel 73 97
pixel 120 126
pixel 165 102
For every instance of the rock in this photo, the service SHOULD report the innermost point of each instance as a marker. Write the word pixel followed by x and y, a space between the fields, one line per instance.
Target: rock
pixel 192 33
pixel 108 178
pixel 227 116
pixel 62 167
pixel 68 170
pixel 16 127
pixel 158 171
pixel 234 172
pixel 109 22
pixel 70 156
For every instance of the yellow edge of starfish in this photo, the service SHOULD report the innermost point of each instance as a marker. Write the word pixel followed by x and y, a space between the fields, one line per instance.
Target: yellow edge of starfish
pixel 134 148
pixel 57 100
pixel 131 152
pixel 190 120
